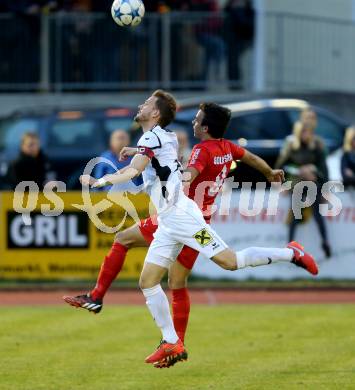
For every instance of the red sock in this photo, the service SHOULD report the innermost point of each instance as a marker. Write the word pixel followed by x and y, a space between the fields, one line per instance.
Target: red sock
pixel 110 268
pixel 181 311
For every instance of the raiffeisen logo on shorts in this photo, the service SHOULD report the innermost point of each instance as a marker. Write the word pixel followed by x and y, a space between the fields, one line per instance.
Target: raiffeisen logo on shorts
pixel 70 230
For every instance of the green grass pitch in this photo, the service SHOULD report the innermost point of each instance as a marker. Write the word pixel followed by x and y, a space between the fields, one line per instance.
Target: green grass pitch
pixel 230 347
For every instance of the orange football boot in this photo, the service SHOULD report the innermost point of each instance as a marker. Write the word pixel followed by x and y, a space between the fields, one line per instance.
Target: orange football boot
pixel 171 361
pixel 169 351
pixel 302 258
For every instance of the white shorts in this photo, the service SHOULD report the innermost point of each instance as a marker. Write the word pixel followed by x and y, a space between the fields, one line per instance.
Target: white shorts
pixel 179 227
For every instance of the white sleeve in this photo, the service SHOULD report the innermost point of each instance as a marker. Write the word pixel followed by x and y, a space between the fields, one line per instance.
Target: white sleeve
pixel 149 140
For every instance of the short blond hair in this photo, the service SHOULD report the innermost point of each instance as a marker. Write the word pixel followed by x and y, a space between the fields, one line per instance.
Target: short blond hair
pixel 166 105
pixel 349 135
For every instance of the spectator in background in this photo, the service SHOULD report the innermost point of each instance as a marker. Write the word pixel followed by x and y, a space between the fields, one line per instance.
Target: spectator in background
pixel 31 164
pixel 27 7
pixel 163 6
pixel 77 44
pixel 118 140
pixel 153 5
pixel 102 6
pixel 209 36
pixel 20 42
pixel 348 158
pixel 184 147
pixel 240 34
pixel 179 5
pixel 309 117
pixel 303 159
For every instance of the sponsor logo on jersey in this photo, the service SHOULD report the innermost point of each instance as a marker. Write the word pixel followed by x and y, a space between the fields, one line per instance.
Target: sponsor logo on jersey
pixel 215 246
pixel 219 160
pixel 203 237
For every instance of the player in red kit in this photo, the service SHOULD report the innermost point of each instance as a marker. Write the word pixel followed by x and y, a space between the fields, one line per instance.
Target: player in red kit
pixel 209 165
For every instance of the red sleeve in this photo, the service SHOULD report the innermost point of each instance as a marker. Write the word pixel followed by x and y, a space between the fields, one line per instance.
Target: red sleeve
pixel 237 151
pixel 198 159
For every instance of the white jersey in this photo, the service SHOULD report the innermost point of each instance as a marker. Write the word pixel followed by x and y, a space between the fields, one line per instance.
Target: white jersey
pixel 180 221
pixel 162 177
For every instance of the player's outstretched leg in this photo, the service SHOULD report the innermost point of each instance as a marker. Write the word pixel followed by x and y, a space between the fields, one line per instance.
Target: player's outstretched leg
pixel 110 268
pixel 255 256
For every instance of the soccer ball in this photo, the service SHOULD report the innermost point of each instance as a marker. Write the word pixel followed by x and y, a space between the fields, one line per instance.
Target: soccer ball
pixel 127 12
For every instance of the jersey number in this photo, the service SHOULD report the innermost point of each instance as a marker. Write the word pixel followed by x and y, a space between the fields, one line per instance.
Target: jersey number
pixel 215 188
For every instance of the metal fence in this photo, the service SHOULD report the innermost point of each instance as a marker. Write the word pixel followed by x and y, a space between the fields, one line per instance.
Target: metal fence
pixel 78 52
pixel 90 52
pixel 302 52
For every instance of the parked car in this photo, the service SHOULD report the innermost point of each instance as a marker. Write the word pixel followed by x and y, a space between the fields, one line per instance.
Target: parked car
pixel 68 137
pixel 262 126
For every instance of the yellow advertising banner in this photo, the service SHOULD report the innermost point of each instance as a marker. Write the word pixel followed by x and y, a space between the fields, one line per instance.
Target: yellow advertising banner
pixel 65 236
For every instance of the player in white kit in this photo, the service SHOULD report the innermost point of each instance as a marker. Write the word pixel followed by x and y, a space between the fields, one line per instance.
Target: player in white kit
pixel 180 221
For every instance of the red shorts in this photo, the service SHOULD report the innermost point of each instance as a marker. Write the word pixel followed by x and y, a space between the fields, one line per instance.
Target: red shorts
pixel 187 256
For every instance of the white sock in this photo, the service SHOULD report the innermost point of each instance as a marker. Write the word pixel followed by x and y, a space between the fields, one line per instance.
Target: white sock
pixel 253 257
pixel 158 306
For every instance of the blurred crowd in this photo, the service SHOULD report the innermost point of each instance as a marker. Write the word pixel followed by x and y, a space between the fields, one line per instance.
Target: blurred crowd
pixel 210 48
pixel 33 164
pixel 33 7
pixel 36 6
pixel 303 156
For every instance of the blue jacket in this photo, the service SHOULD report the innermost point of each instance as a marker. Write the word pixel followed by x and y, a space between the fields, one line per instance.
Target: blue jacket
pixel 104 168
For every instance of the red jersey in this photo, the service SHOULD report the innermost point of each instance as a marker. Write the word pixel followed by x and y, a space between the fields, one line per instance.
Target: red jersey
pixel 213 159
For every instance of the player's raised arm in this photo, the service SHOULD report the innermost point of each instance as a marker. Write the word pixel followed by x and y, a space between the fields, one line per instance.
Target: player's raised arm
pixel 262 166
pixel 135 168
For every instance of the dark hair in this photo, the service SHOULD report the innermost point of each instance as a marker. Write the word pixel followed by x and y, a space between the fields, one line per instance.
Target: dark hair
pixel 216 118
pixel 166 105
